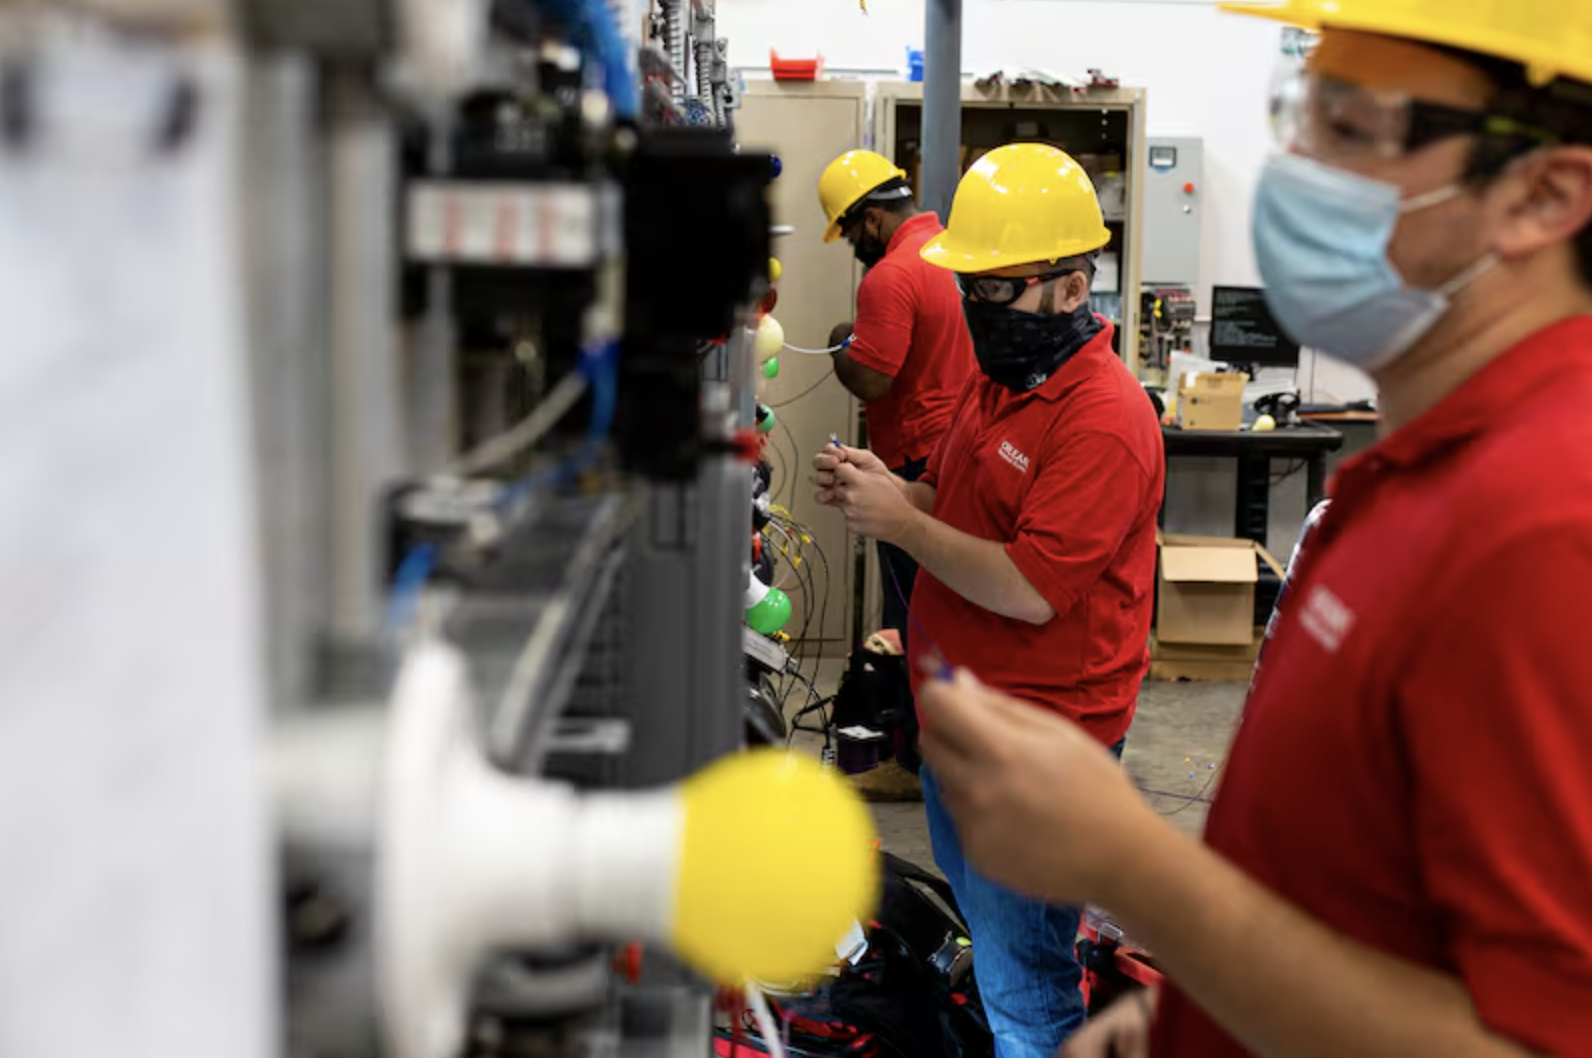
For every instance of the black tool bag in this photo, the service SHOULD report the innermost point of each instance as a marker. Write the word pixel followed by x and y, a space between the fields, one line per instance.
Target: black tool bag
pixel 913 994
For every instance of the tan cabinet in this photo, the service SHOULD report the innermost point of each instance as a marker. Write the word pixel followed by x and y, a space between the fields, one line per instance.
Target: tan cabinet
pixel 808 126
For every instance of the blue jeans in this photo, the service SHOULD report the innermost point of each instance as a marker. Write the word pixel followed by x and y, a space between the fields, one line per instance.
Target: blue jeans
pixel 1024 951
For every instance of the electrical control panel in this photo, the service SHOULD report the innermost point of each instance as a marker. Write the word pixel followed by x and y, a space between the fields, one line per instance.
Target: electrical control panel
pixel 1174 210
pixel 1166 325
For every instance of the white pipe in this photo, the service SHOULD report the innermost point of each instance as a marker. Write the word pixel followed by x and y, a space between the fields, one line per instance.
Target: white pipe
pixel 773 1041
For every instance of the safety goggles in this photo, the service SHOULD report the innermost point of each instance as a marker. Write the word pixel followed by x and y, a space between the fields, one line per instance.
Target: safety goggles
pixel 852 219
pixel 1005 290
pixel 1331 119
pixel 851 223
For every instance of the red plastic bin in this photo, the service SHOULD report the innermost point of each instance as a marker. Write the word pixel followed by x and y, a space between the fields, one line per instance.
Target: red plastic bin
pixel 795 69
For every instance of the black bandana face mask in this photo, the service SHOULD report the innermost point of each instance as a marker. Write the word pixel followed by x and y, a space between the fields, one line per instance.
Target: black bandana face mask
pixel 1022 350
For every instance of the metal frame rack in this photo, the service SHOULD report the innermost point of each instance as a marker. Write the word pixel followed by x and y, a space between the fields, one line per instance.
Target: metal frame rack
pixel 603 627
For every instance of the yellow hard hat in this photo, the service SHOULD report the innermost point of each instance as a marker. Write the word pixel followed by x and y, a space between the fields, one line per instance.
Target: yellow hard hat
pixel 1020 204
pixel 850 179
pixel 1550 38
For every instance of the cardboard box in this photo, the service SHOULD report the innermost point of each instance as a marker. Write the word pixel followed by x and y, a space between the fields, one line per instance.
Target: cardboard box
pixel 1212 401
pixel 1206 590
pixel 1193 662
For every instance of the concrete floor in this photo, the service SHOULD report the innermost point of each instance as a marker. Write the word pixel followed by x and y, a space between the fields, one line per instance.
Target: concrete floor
pixel 1175 753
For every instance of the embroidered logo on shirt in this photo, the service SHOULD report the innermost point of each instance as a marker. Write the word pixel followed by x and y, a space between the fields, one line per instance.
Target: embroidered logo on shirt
pixel 1014 457
pixel 1327 619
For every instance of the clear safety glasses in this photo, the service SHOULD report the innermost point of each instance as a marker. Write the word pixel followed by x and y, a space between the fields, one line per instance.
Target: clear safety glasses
pixel 1331 119
pixel 1004 290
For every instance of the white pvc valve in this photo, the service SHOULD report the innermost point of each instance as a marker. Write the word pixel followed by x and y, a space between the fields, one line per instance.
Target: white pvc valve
pixel 756 590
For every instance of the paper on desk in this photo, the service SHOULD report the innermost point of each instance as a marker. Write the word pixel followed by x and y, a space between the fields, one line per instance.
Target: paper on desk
pixel 134 893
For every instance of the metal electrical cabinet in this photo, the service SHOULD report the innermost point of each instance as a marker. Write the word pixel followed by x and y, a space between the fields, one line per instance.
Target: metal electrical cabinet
pixel 1174 210
pixel 1102 128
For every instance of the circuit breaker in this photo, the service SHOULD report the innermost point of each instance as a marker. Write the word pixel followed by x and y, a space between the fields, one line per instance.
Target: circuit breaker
pixel 1174 206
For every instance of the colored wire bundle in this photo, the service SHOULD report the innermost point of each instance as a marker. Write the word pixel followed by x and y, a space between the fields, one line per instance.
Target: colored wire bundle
pixel 796 546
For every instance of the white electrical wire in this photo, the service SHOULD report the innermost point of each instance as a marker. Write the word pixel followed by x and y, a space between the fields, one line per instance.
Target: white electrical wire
pixel 773 1040
pixel 505 446
pixel 820 352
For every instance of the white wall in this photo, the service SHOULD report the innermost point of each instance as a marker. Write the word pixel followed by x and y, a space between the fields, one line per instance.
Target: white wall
pixel 1207 74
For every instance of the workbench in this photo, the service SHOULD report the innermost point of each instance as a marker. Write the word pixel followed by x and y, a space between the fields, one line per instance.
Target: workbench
pixel 1252 453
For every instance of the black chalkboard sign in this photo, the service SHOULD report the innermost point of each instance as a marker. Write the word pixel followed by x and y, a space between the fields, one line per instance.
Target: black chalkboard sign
pixel 1243 330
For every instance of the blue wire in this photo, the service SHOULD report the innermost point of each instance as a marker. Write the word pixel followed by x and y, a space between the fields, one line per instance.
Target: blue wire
pixel 600 367
pixel 408 584
pixel 594 28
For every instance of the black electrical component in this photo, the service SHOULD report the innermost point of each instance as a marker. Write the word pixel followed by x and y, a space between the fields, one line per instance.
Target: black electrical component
pixel 506 139
pixel 696 244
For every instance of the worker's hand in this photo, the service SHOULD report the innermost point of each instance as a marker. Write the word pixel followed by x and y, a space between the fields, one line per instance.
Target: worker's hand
pixel 826 463
pixel 1041 807
pixel 1122 1030
pixel 862 488
pixel 831 458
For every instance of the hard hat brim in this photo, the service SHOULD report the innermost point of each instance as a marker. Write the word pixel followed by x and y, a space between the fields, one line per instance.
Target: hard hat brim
pixel 1543 60
pixel 1290 12
pixel 943 252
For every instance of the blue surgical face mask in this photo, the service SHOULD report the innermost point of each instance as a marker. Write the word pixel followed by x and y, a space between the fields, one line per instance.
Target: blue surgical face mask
pixel 1321 240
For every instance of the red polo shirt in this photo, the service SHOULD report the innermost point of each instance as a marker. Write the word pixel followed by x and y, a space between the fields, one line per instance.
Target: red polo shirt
pixel 1069 477
pixel 1414 767
pixel 910 327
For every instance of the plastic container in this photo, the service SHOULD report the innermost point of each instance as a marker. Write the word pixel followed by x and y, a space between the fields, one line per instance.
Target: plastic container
pixel 915 64
pixel 795 69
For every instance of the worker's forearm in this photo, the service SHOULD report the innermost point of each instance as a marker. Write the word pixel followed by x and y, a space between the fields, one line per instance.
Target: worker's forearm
pixel 979 571
pixel 1278 980
pixel 847 373
pixel 863 383
pixel 918 494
